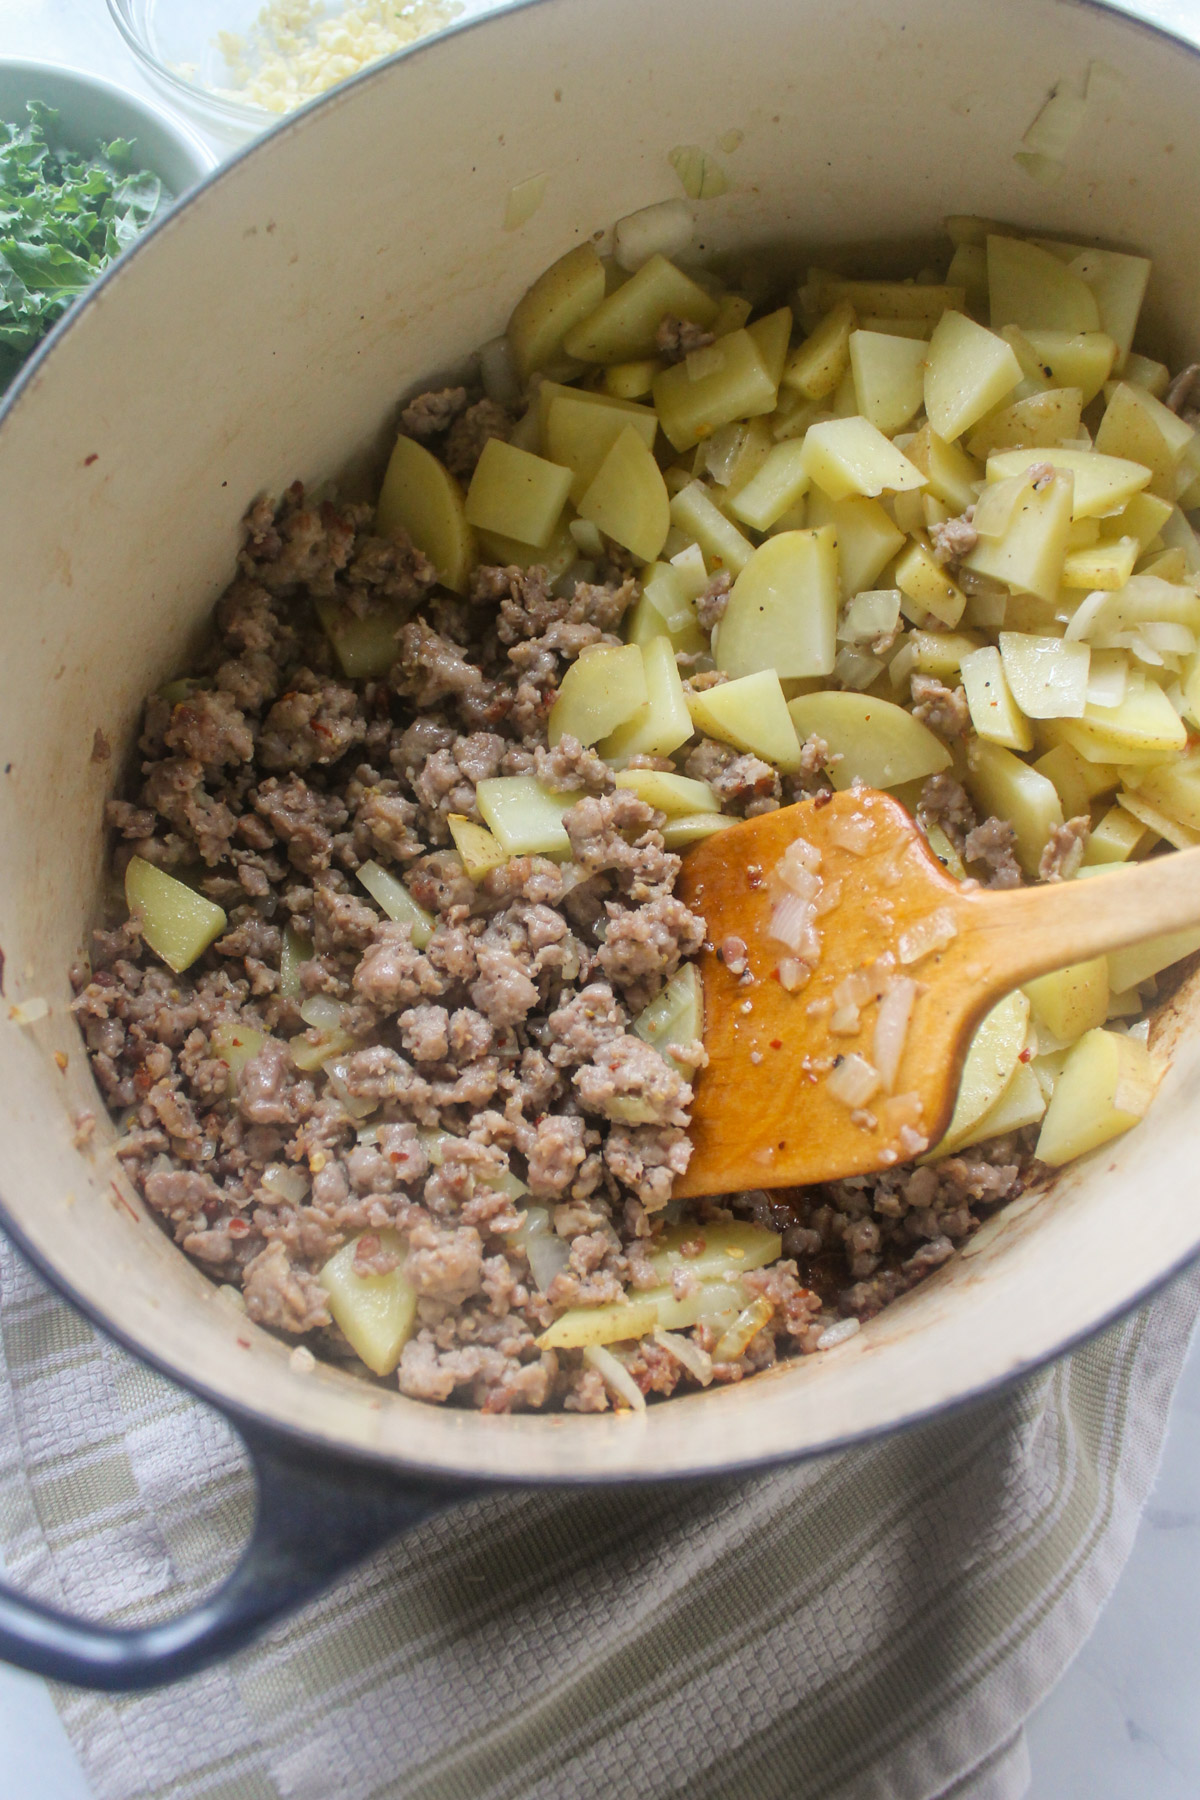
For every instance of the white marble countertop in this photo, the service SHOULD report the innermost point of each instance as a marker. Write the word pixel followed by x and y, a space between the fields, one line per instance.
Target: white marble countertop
pixel 1123 1723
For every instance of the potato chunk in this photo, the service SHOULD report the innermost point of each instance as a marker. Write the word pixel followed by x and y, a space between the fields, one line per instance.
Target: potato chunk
pixel 888 375
pixel 627 499
pixel 817 367
pixel 516 493
pixel 374 1312
pixel 1071 1001
pixel 1001 784
pixel 568 291
pixel 1030 288
pixel 779 482
pixel 675 795
pixel 1048 679
pixel 867 539
pixel 1102 483
pixel 711 387
pixel 421 497
pixel 695 513
pixel 623 326
pixel 178 923
pixel 665 722
pixel 581 429
pixel 751 714
pixel 782 610
pixel 480 851
pixel 992 1060
pixel 994 712
pixel 525 817
pixel 878 743
pixel 1106 1086
pixel 1030 554
pixel 849 456
pixel 968 372
pixel 603 688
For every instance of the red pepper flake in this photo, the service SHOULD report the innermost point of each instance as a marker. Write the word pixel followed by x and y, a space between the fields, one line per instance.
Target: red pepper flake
pixel 89 460
pixel 777 1043
pixel 238 1228
pixel 1026 1055
pixel 243 1343
pixel 120 1200
pixel 60 1057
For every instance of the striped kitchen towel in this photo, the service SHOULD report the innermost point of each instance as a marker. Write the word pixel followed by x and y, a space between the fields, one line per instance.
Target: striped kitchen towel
pixel 872 1626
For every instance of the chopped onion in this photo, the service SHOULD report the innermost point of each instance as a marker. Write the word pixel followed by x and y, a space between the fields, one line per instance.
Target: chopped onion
pixel 837 1334
pixel 1057 125
pixel 616 1376
pixel 548 1256
pixel 853 834
pixel 749 1322
pixel 855 670
pixel 800 862
pixel 524 200
pixel 288 1181
pixel 660 230
pixel 931 933
pixel 792 924
pixel 700 175
pixel 498 375
pixel 687 1351
pixel 354 1104
pixel 891 1027
pixel 793 974
pixel 854 1080
pixel 28 1012
pixel 322 1013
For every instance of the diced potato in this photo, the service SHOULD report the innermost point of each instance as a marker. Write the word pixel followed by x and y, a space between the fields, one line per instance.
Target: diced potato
pixel 1038 422
pixel 991 1062
pixel 733 310
pixel 1142 430
pixel 1118 282
pixel 849 456
pixel 1030 288
pixel 1071 1001
pixel 550 391
pixel 628 499
pixel 779 483
pixel 673 591
pixel 364 647
pixel 666 722
pixel 1001 784
pixel 388 891
pixel 751 714
pixel 694 512
pixel 1114 838
pixel 1076 782
pixel 421 497
pixel 878 742
pixel 631 380
pixel 972 228
pixel 555 557
pixel 374 1312
pixel 580 433
pixel 567 292
pixel 968 270
pixel 1029 556
pixel 680 833
pixel 1142 517
pixel 925 582
pixel 675 795
pixel 178 923
pixel 1102 483
pixel 729 1247
pixel 1022 1103
pixel 610 1324
pixel 892 299
pixel 525 816
pixel 728 380
pixel 1106 565
pixel 690 569
pixel 889 373
pixel 994 712
pixel 517 494
pixel 952 475
pixel 675 1019
pixel 1144 372
pixel 772 334
pixel 644 621
pixel 1144 728
pixel 782 609
pixel 1173 786
pixel 1130 967
pixel 969 372
pixel 817 367
pixel 867 539
pixel 604 687
pixel 945 852
pixel 939 653
pixel 480 851
pixel 1071 359
pixel 1048 678
pixel 1106 1086
pixel 1161 824
pixel 622 327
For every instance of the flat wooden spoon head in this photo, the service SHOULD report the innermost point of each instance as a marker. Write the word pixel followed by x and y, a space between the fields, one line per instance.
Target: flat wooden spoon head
pixel 765 1113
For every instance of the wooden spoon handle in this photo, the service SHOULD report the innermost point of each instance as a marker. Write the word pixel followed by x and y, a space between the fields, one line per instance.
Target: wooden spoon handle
pixel 1030 931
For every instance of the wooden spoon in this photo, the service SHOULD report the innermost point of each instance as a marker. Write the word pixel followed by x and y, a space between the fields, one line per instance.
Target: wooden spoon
pixel 764 1115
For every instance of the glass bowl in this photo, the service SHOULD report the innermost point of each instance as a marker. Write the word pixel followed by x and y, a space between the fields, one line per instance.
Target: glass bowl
pixel 234 63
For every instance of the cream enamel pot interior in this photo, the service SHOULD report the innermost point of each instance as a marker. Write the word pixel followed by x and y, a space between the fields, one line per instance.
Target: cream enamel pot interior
pixel 267 330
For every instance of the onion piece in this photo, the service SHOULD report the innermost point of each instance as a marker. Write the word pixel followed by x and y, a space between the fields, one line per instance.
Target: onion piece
pixel 686 1351
pixel 322 1013
pixel 290 1183
pixel 28 1012
pixel 838 1333
pixel 523 201
pixel 615 1376
pixel 749 1322
pixel 660 230
pixel 792 924
pixel 891 1028
pixel 854 1080
pixel 497 374
pixel 548 1256
pixel 853 834
pixel 931 933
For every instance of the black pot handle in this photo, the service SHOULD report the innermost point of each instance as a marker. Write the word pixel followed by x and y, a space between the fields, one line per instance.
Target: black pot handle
pixel 315 1517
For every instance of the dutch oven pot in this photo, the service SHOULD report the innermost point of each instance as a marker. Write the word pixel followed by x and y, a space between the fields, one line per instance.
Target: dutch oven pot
pixel 266 331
